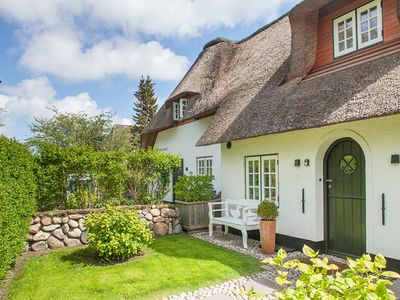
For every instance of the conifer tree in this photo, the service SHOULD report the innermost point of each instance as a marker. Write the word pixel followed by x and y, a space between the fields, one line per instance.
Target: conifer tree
pixel 145 107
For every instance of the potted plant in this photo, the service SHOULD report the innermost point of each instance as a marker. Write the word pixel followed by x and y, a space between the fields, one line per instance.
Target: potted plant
pixel 268 212
pixel 193 194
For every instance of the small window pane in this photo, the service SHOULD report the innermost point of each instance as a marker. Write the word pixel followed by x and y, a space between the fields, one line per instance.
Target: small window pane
pixel 364 26
pixel 341 46
pixel 251 180
pixel 266 194
pixel 273 165
pixel 364 37
pixel 266 166
pixel 251 194
pixel 373 22
pixel 364 16
pixel 256 180
pixel 273 180
pixel 266 180
pixel 256 169
pixel 341 26
pixel 374 34
pixel 373 12
pixel 341 36
pixel 250 167
pixel 349 33
pixel 349 43
pixel 349 23
pixel 256 193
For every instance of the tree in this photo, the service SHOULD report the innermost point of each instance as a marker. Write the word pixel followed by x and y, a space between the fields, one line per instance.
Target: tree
pixel 145 107
pixel 77 129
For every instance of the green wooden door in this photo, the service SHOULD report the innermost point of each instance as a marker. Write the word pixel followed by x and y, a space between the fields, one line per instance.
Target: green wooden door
pixel 346 198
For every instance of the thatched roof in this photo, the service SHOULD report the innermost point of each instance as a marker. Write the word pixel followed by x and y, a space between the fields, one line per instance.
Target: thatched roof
pixel 255 86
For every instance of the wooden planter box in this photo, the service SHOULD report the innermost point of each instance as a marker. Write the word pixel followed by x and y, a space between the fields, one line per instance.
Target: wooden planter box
pixel 193 215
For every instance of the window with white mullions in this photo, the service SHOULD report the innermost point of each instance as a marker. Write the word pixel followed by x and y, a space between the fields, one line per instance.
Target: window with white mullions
pixel 205 166
pixel 270 178
pixel 180 108
pixel 344 34
pixel 358 29
pixel 369 24
pixel 253 178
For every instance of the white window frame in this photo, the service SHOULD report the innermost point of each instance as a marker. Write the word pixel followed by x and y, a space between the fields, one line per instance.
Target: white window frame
pixel 270 159
pixel 336 41
pixel 357 34
pixel 252 195
pixel 262 159
pixel 205 166
pixel 379 27
pixel 176 111
pixel 179 109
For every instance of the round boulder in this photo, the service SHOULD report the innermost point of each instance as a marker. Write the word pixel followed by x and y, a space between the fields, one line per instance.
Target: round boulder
pixel 46 221
pixel 75 233
pixel 54 243
pixel 160 229
pixel 73 223
pixel 39 246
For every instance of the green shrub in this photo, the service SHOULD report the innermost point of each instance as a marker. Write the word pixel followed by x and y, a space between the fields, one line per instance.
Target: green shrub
pixel 17 200
pixel 117 233
pixel 62 169
pixel 149 173
pixel 364 278
pixel 268 210
pixel 193 188
pixel 82 199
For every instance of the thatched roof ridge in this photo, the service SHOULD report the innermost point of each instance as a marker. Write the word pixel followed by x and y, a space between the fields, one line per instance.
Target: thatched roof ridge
pixel 228 69
pixel 364 91
pixel 255 86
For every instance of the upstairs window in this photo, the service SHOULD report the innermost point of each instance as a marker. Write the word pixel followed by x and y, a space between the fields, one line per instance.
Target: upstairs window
pixel 369 24
pixel 179 109
pixel 358 29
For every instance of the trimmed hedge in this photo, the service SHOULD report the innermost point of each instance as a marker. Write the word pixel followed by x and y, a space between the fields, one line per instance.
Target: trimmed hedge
pixel 17 200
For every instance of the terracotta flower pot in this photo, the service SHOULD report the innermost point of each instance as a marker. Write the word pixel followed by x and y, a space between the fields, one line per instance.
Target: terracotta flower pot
pixel 267 236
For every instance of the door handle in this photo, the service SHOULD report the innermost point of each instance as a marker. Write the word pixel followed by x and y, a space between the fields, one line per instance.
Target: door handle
pixel 330 180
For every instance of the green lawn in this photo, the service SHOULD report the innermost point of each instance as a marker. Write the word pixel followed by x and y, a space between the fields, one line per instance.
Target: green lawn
pixel 171 265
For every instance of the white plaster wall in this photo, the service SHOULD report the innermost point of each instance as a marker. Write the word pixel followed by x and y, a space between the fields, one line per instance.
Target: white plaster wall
pixel 379 138
pixel 181 140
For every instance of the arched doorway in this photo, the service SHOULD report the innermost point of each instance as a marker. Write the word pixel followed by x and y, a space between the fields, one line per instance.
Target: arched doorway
pixel 345 198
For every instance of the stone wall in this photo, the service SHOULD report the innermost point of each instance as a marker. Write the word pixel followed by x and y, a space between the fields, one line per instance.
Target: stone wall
pixel 57 229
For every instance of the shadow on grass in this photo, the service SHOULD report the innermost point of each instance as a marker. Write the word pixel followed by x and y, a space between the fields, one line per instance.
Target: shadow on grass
pixel 88 257
pixel 183 247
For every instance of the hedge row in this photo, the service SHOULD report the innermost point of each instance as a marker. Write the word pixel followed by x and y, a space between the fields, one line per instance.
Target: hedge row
pixel 17 200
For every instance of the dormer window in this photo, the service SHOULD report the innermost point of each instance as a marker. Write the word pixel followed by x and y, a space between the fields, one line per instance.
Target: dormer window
pixel 358 29
pixel 180 108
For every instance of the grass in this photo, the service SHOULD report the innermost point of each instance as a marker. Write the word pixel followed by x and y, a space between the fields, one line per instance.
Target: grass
pixel 170 265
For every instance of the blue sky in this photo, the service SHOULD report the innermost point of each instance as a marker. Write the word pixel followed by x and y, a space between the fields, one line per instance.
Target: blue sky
pixel 87 55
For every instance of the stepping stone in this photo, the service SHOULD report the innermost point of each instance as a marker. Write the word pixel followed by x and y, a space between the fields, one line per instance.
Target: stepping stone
pixel 261 285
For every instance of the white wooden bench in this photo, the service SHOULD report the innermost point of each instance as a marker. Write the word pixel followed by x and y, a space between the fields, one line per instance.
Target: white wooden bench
pixel 238 214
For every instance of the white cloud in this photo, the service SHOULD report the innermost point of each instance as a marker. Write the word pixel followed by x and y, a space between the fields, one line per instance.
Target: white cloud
pixel 35 98
pixel 60 52
pixel 94 39
pixel 125 121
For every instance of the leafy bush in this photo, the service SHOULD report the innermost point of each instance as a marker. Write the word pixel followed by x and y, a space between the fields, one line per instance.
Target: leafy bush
pixel 17 200
pixel 62 169
pixel 117 233
pixel 364 278
pixel 82 199
pixel 268 210
pixel 193 188
pixel 149 173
